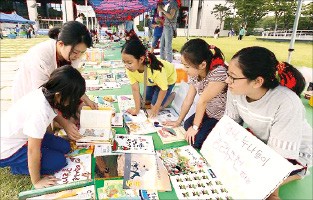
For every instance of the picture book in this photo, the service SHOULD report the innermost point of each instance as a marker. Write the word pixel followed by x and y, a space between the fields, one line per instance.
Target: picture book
pixel 140 172
pixel 113 189
pixel 199 185
pixel 170 135
pixel 80 150
pixel 182 160
pixel 124 143
pixel 61 191
pixel 102 149
pixel 108 77
pixel 163 179
pixel 78 168
pixel 111 85
pixel 125 102
pixel 167 114
pixel 87 192
pixel 139 124
pixel 95 125
pixel 149 194
pixel 117 120
pixel 110 166
pixel 93 88
pixel 256 169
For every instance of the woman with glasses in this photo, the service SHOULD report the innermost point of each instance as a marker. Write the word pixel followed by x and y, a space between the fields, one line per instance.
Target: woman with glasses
pixel 41 60
pixel 207 73
pixel 273 113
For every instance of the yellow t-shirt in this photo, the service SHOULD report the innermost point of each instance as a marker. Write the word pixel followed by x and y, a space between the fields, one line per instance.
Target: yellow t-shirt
pixel 162 78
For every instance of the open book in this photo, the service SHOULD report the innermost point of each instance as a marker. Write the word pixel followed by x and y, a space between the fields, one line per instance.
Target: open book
pixel 95 125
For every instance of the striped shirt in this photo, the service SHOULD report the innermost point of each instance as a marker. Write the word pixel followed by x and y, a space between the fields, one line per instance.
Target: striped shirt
pixel 215 108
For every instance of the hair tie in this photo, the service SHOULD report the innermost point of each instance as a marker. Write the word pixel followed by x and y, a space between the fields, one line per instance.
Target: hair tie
pixel 148 57
pixel 281 66
pixel 212 47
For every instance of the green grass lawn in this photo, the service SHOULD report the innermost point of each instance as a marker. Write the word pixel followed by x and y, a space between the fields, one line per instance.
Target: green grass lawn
pixel 302 56
pixel 11 185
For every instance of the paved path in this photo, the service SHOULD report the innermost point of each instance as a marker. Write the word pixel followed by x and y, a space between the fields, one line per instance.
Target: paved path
pixel 8 68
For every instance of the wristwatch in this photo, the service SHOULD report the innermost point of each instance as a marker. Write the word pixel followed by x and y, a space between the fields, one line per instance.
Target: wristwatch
pixel 195 127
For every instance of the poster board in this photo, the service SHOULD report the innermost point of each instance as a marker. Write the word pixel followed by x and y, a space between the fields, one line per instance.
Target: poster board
pixel 248 168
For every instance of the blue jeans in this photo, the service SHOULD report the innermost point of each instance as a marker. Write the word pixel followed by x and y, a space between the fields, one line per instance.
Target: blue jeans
pixel 206 127
pixel 53 159
pixel 155 40
pixel 166 50
pixel 153 93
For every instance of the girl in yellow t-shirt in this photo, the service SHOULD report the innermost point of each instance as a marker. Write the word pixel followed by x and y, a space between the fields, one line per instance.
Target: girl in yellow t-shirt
pixel 161 76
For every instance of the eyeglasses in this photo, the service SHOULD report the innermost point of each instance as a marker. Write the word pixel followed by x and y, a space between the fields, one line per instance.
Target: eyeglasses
pixel 232 79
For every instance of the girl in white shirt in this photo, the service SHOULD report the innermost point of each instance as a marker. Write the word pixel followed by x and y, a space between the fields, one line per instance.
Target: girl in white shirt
pixel 26 147
pixel 41 60
pixel 273 113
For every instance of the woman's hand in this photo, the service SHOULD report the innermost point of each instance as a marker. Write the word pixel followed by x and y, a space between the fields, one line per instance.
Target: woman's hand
pixel 133 111
pixel 72 131
pixel 190 135
pixel 46 181
pixel 171 123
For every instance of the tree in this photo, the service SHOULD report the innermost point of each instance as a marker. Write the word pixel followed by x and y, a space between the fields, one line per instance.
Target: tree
pixel 278 7
pixel 307 11
pixel 250 11
pixel 289 13
pixel 221 12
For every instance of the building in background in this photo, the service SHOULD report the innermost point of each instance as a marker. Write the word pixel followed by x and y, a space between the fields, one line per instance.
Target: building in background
pixel 54 13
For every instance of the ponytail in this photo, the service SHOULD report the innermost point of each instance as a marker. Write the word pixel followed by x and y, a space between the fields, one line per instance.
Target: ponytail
pixel 290 77
pixel 136 48
pixel 218 57
pixel 154 63
pixel 258 61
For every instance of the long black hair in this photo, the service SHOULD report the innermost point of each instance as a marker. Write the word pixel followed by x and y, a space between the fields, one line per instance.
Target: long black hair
pixel 68 82
pixel 72 33
pixel 258 61
pixel 54 33
pixel 135 48
pixel 197 50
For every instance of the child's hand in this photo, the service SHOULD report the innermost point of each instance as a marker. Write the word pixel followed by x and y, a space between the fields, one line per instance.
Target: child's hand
pixel 171 123
pixel 190 135
pixel 132 111
pixel 72 131
pixel 46 181
pixel 154 112
pixel 91 104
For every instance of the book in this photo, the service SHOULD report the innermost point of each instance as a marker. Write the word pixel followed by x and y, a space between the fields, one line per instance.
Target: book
pixel 256 169
pixel 110 166
pixel 125 102
pixel 95 125
pixel 139 124
pixel 117 120
pixel 199 185
pixel 113 189
pixel 170 135
pixel 87 192
pixel 77 169
pixel 124 143
pixel 182 160
pixel 54 189
pixel 140 172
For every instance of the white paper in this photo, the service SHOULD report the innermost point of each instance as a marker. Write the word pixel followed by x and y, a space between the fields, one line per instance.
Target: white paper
pixel 248 168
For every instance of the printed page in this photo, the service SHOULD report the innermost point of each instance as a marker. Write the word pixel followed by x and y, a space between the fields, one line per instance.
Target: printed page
pixel 255 168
